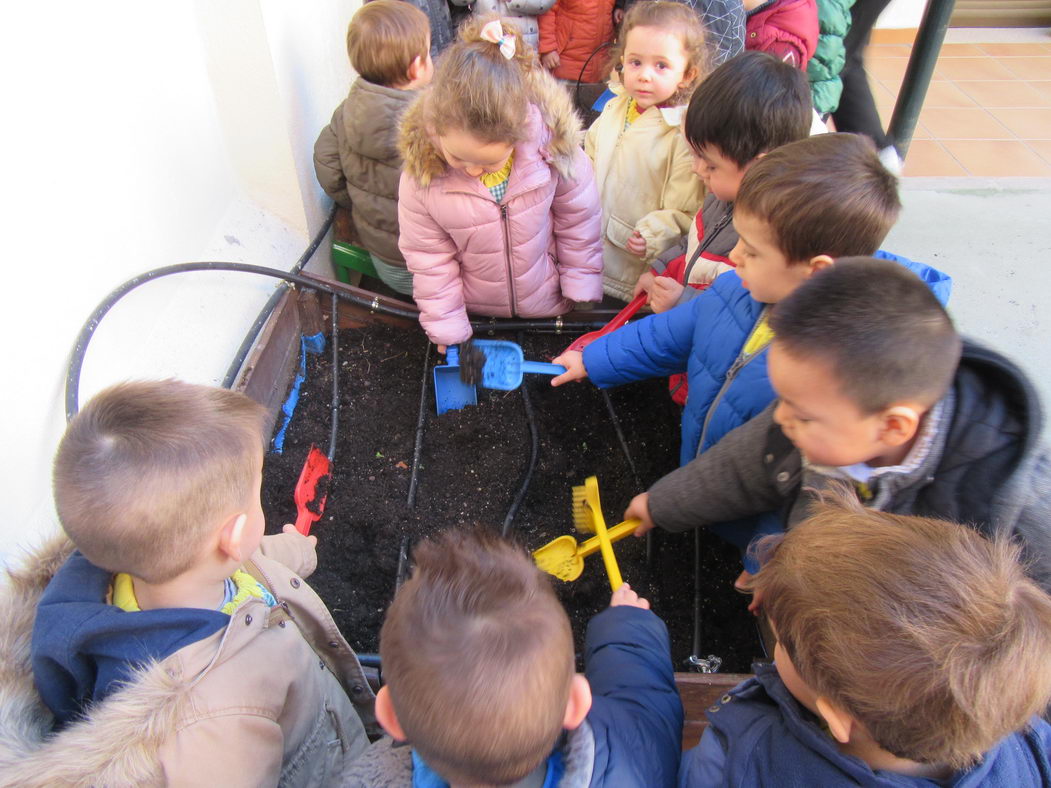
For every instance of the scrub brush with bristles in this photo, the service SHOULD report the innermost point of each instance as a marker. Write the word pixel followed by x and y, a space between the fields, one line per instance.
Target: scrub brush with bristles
pixel 587 517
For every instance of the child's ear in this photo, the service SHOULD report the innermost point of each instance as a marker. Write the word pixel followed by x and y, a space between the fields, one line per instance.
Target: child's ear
pixel 688 76
pixel 386 717
pixel 840 724
pixel 231 536
pixel 900 424
pixel 579 703
pixel 819 262
pixel 415 67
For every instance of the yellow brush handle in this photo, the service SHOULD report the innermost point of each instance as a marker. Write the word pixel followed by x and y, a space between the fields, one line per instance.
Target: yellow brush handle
pixel 608 557
pixel 616 533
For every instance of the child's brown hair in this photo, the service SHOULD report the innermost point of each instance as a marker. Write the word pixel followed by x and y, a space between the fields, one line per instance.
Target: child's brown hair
pixel 823 195
pixel 146 471
pixel 924 631
pixel 671 17
pixel 478 657
pixel 384 38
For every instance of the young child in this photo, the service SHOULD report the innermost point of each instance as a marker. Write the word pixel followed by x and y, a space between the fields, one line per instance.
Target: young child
pixel 742 110
pixel 356 157
pixel 572 34
pixel 498 208
pixel 787 29
pixel 873 390
pixel 479 668
pixel 911 651
pixel 798 209
pixel 642 164
pixel 177 644
pixel 520 14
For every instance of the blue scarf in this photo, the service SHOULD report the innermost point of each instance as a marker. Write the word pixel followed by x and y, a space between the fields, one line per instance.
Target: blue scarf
pixel 424 777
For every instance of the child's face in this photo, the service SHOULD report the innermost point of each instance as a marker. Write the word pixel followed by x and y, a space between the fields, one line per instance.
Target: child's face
pixel 825 425
pixel 722 176
pixel 464 151
pixel 655 65
pixel 764 269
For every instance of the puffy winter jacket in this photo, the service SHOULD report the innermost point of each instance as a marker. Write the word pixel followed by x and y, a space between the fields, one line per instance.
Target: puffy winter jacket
pixel 576 29
pixel 531 255
pixel 522 13
pixel 787 29
pixel 704 337
pixel 823 69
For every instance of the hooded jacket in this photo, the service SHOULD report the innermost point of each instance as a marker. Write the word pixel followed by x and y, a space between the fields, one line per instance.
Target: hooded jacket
pixel 787 29
pixel 531 255
pixel 521 13
pixel 985 466
pixel 576 29
pixel 829 55
pixel 759 735
pixel 646 183
pixel 358 165
pixel 632 735
pixel 262 700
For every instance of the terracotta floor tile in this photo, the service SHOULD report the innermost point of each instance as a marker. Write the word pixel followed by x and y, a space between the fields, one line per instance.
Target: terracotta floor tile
pixel 958 68
pixel 1016 50
pixel 900 50
pixel 1041 86
pixel 997 157
pixel 888 70
pixel 1028 67
pixel 969 50
pixel 1029 124
pixel 928 157
pixel 1042 147
pixel 962 124
pixel 941 93
pixel 996 93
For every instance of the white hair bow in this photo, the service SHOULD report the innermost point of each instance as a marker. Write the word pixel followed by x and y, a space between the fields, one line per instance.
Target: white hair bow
pixel 494 33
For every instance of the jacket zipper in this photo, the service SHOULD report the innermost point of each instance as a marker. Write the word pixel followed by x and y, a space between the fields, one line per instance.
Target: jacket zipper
pixel 507 257
pixel 739 363
pixel 709 238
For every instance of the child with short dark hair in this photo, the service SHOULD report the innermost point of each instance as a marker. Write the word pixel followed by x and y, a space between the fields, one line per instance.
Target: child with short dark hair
pixel 874 391
pixel 356 156
pixel 911 651
pixel 799 208
pixel 478 660
pixel 744 109
pixel 176 644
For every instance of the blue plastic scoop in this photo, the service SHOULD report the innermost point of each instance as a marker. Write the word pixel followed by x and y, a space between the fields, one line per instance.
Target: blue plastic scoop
pixel 503 370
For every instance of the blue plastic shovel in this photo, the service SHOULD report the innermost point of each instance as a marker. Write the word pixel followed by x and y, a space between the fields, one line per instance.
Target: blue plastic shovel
pixel 504 367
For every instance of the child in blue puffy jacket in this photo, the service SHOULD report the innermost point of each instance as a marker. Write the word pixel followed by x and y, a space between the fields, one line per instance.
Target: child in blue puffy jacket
pixel 798 209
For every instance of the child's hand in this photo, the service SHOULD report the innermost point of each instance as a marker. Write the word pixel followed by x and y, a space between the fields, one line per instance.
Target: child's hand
pixel 550 60
pixel 573 361
pixel 625 597
pixel 290 528
pixel 644 284
pixel 639 509
pixel 636 244
pixel 665 293
pixel 442 349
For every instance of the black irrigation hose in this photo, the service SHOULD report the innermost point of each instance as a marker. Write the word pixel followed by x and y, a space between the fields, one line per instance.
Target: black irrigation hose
pixel 402 572
pixel 534 456
pixel 80 347
pixel 580 77
pixel 631 464
pixel 696 593
pixel 271 304
pixel 335 379
pixel 417 449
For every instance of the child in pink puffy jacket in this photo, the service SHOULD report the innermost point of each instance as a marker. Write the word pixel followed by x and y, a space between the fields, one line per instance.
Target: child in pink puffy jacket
pixel 497 203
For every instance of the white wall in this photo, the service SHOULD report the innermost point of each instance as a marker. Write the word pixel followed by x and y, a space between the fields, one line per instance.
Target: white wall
pixel 139 135
pixel 902 14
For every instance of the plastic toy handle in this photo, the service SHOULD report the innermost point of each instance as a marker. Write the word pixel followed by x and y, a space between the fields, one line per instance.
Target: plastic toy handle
pixel 452 355
pixel 608 556
pixel 304 521
pixel 542 368
pixel 615 534
pixel 624 315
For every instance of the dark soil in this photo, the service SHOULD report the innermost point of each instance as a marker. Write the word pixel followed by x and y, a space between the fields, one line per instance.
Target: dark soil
pixel 471 468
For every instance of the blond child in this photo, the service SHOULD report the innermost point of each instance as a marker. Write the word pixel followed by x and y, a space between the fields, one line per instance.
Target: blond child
pixel 177 644
pixel 479 667
pixel 356 156
pixel 497 204
pixel 643 165
pixel 911 652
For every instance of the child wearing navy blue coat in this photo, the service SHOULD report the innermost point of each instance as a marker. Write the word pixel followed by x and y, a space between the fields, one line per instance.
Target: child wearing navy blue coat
pixel 798 209
pixel 911 652
pixel 479 665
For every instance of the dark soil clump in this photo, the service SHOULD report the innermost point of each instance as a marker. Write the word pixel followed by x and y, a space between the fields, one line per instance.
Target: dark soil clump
pixel 472 465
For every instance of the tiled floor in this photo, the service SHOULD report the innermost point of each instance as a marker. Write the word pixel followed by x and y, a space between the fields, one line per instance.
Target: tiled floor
pixel 987 111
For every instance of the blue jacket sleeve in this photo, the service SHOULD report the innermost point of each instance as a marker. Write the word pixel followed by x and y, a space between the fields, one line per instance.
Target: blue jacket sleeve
pixel 703 765
pixel 653 347
pixel 636 707
pixel 939 282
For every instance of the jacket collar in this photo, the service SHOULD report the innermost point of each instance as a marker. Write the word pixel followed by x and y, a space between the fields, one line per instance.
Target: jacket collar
pixel 672 116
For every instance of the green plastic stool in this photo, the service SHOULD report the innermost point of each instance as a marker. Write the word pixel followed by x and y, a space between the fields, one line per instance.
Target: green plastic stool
pixel 348 257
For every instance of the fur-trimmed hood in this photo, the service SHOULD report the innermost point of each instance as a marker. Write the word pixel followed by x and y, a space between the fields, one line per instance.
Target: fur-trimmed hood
pixel 559 142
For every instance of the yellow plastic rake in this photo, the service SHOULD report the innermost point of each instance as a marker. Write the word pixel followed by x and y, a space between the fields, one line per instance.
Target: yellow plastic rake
pixel 564 557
